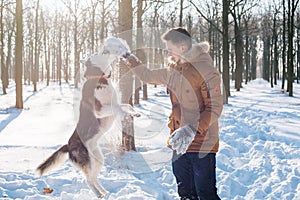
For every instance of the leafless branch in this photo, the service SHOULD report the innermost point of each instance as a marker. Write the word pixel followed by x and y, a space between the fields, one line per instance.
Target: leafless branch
pixel 208 20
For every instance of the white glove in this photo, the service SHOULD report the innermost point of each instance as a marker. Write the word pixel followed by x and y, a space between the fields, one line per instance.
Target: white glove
pixel 182 138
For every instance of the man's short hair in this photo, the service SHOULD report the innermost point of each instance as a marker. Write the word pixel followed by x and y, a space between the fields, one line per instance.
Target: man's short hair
pixel 178 36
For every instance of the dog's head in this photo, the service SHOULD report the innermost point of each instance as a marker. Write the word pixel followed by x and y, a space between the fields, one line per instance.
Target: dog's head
pixel 115 47
pixel 112 49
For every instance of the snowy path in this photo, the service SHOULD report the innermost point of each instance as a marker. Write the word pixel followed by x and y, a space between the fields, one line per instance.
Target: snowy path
pixel 258 158
pixel 260 140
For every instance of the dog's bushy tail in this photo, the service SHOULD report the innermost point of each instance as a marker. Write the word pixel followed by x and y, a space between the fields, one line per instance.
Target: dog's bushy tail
pixel 53 161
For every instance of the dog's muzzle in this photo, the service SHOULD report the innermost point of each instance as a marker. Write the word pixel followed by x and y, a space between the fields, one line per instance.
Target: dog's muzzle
pixel 105 51
pixel 126 54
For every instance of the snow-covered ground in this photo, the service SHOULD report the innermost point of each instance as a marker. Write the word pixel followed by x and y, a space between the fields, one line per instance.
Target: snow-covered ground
pixel 259 155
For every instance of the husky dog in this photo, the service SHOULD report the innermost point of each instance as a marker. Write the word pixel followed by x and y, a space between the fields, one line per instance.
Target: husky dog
pixel 99 107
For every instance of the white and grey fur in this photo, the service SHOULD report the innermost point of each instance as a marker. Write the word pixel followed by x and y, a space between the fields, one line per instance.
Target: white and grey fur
pixel 99 107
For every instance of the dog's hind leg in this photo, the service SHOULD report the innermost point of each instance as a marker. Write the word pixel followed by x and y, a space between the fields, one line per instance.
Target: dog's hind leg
pixel 81 157
pixel 91 181
pixel 97 160
pixel 95 171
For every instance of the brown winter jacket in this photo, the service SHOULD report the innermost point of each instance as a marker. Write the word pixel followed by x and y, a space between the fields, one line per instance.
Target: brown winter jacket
pixel 194 88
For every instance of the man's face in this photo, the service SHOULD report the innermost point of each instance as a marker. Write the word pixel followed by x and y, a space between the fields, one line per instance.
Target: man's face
pixel 175 51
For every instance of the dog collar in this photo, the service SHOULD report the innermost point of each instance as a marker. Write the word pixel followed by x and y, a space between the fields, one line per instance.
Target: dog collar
pixel 98 77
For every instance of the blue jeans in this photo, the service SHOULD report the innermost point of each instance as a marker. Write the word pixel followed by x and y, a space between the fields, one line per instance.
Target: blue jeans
pixel 195 175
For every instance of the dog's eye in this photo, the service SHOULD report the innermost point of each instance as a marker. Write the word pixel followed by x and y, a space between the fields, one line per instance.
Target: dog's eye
pixel 105 51
pixel 101 86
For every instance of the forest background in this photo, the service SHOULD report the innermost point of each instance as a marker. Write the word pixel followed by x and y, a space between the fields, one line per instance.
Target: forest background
pixel 43 41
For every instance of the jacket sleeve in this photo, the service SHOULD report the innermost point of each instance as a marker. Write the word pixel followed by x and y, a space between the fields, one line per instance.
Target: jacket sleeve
pixel 156 76
pixel 213 100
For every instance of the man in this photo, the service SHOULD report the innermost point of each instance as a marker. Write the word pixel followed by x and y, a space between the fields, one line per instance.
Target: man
pixel 194 88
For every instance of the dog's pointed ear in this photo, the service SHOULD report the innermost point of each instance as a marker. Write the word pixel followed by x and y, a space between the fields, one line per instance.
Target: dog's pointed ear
pixel 82 61
pixel 86 62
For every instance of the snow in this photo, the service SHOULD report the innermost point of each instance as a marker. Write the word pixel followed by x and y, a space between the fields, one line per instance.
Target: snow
pixel 258 156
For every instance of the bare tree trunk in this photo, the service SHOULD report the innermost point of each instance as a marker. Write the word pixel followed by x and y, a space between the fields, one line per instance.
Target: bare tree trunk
pixel 271 67
pixel 27 62
pixel 275 47
pixel 76 54
pixel 74 12
pixel 94 5
pixel 137 88
pixel 9 54
pixel 225 74
pixel 46 51
pixel 126 82
pixel 35 71
pixel 253 57
pixel 102 20
pixel 53 62
pixel 247 51
pixel 67 52
pixel 283 46
pixel 298 48
pixel 18 57
pixel 139 52
pixel 145 92
pixel 181 13
pixel 3 67
pixel 266 58
pixel 48 66
pixel 232 62
pixel 292 6
pixel 59 55
pixel 126 87
pixel 238 57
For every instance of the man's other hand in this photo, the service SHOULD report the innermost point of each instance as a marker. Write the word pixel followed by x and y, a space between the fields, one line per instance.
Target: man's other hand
pixel 182 138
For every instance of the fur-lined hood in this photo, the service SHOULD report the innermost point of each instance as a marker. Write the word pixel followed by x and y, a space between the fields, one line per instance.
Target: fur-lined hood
pixel 198 52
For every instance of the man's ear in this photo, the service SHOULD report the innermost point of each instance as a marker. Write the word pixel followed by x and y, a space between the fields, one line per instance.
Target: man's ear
pixel 183 48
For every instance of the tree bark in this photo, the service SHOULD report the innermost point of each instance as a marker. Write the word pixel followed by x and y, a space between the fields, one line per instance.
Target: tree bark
pixel 18 56
pixel 139 51
pixel 283 46
pixel 4 74
pixel 298 47
pixel 126 81
pixel 46 51
pixel 180 13
pixel 59 54
pixel 275 48
pixel 292 6
pixel 266 58
pixel 35 71
pixel 225 74
pixel 238 57
pixel 253 57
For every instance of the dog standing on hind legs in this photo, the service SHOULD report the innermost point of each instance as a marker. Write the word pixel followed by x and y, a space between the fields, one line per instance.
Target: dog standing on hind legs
pixel 99 107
